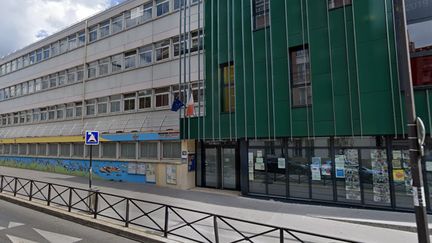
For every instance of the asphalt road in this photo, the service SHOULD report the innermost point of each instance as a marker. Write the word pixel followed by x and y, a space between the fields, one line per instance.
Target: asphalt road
pixel 23 225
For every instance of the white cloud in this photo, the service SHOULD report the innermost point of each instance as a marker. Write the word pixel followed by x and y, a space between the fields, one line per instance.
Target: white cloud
pixel 27 21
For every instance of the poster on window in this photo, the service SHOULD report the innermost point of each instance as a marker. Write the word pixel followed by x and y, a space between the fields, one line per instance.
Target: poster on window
pixel 251 165
pixel 326 168
pixel 407 170
pixel 150 173
pixel 281 163
pixel 340 166
pixel 171 174
pixel 397 157
pixel 141 169
pixel 352 175
pixel 316 168
pixel 381 187
pixel 259 164
pixel 132 168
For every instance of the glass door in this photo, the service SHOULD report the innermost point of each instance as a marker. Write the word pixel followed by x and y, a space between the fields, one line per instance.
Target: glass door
pixel 211 167
pixel 229 171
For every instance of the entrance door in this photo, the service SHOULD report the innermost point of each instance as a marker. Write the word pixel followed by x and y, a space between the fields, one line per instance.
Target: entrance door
pixel 211 167
pixel 221 168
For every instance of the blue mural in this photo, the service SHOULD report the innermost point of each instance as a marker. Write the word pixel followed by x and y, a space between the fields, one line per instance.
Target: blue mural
pixel 107 170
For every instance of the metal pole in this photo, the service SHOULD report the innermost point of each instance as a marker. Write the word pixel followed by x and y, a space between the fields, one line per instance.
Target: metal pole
pixel 90 166
pixel 411 117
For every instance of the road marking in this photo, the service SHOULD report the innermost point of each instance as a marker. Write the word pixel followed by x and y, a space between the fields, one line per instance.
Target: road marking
pixel 14 224
pixel 54 237
pixel 15 239
pixel 2 228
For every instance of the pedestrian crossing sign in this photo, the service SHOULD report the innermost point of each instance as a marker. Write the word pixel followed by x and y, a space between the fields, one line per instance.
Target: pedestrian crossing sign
pixel 92 138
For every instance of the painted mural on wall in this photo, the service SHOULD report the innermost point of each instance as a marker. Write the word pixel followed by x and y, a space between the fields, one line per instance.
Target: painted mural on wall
pixel 106 170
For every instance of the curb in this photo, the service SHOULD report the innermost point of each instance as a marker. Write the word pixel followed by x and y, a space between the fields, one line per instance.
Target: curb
pixel 109 227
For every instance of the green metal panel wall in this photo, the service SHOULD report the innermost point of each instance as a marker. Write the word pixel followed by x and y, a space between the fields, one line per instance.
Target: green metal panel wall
pixel 353 67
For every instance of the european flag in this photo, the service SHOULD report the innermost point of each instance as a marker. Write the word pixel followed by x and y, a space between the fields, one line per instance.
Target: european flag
pixel 177 104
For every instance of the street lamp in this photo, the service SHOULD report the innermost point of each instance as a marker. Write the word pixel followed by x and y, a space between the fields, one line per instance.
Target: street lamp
pixel 415 125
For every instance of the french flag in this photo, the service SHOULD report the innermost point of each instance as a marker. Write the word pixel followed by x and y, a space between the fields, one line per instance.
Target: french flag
pixel 190 106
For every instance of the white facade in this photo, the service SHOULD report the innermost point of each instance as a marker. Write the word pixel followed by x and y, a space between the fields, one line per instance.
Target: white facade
pixel 116 72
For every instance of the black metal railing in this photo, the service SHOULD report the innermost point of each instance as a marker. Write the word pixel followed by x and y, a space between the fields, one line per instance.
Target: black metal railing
pixel 163 219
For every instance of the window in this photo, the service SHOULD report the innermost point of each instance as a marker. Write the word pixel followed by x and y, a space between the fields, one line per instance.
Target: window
pixel 115 103
pixel 93 33
pixel 420 48
pixel 91 70
pixel 38 56
pixel 149 150
pixel 300 76
pixel 32 150
pixel 36 114
pixel 95 151
pixel 132 16
pixel 6 149
pixel 45 82
pixel 104 29
pixel 102 106
pixel 63 46
pixel 69 110
pixel 41 149
pixel 19 63
pixel 53 150
pixel 32 61
pixel 128 150
pixel 162 7
pixel 26 61
pixel 31 86
pixel 117 24
pixel 65 150
pixel 81 38
pixel 77 150
pixel 178 2
pixel 7 93
pixel 129 102
pixel 55 49
pixel 103 66
pixel 80 73
pixel 71 75
pixel 51 113
pixel 90 107
pixel 117 63
pixel 72 42
pixel 61 78
pixel 60 111
pixel 130 59
pixel 171 150
pixel 145 55
pixel 53 80
pixel 338 3
pixel 228 88
pixel 46 52
pixel 144 99
pixel 197 40
pixel 109 150
pixel 22 118
pixel 148 11
pixel 12 91
pixel 162 97
pixel 23 149
pixel 18 90
pixel 78 109
pixel 183 48
pixel 261 13
pixel 162 50
pixel 25 88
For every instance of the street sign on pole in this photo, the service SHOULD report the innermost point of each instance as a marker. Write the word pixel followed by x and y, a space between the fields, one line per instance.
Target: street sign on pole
pixel 91 139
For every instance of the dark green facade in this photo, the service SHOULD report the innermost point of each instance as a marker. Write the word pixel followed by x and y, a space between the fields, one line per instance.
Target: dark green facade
pixel 354 71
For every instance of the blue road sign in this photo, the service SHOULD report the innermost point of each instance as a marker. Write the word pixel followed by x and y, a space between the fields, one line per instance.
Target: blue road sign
pixel 92 138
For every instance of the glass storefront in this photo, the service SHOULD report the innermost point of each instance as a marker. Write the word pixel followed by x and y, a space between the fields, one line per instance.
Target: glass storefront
pixel 368 171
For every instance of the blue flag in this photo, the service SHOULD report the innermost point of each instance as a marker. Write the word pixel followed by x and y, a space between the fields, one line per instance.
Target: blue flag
pixel 177 104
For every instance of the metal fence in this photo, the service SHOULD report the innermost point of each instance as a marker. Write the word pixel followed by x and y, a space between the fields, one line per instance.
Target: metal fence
pixel 158 218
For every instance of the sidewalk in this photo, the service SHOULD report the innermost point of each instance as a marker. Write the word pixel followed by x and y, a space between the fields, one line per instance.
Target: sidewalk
pixel 318 219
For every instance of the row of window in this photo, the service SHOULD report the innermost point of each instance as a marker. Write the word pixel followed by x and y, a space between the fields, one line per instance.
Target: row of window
pixel 124 61
pixel 109 150
pixel 128 19
pixel 261 11
pixel 158 98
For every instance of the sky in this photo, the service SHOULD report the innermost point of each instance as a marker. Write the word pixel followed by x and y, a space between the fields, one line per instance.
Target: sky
pixel 26 21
